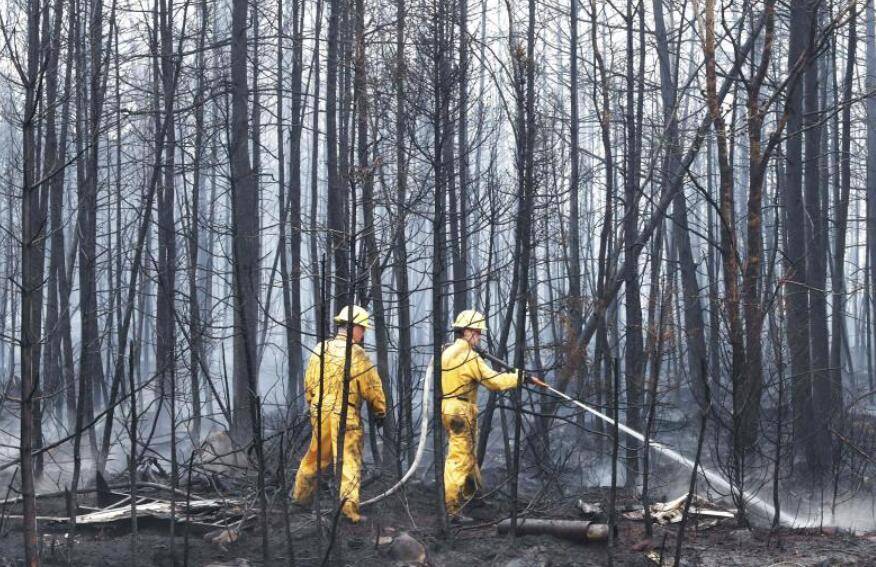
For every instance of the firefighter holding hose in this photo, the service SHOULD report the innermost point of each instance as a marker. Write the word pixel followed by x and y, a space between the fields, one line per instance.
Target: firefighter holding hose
pixel 328 361
pixel 462 370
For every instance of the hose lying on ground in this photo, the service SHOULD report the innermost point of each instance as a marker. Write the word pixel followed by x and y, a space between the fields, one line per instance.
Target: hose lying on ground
pixel 421 447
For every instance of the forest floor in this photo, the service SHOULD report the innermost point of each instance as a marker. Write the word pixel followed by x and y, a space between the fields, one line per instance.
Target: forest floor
pixel 477 544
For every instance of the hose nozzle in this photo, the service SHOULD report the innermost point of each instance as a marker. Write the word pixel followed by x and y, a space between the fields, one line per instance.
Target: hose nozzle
pixel 537 381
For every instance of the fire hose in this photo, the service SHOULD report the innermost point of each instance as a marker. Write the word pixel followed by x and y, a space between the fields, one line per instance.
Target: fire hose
pixel 716 480
pixel 421 447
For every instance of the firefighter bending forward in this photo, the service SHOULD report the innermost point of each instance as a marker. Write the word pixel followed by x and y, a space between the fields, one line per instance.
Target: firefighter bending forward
pixel 462 369
pixel 364 385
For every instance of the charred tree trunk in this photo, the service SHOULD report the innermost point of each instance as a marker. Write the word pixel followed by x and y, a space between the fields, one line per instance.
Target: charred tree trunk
pixel 316 284
pixel 838 338
pixel 634 355
pixel 58 260
pixel 52 167
pixel 839 341
pixel 290 264
pixel 245 239
pixel 165 327
pixel 575 305
pixel 90 365
pixel 871 167
pixel 32 234
pixel 336 189
pixel 400 255
pixel 461 264
pixel 795 255
pixel 196 349
pixel 525 133
pixel 439 80
pixel 816 259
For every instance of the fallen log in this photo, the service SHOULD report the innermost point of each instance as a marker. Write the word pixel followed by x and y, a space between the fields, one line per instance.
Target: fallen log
pixel 202 515
pixel 160 510
pixel 119 486
pixel 60 523
pixel 575 530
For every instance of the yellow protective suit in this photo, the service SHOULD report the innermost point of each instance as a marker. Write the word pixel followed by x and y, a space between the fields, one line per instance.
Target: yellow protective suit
pixel 364 385
pixel 462 369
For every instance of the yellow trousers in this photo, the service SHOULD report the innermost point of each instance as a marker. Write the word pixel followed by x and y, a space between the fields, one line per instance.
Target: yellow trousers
pixel 327 447
pixel 462 476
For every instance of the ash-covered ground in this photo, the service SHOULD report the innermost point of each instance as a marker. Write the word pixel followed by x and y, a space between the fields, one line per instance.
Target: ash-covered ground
pixel 404 530
pixel 379 540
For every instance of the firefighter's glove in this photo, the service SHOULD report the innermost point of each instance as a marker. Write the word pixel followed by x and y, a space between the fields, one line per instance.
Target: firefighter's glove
pixel 532 380
pixel 378 421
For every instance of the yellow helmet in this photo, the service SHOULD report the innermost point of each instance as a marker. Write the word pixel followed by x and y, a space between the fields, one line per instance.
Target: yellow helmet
pixel 470 319
pixel 359 315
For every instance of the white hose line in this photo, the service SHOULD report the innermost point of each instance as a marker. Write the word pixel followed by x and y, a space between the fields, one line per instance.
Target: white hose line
pixel 421 448
pixel 754 501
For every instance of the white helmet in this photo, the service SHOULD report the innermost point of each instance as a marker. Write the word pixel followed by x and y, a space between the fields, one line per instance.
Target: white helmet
pixel 470 319
pixel 359 316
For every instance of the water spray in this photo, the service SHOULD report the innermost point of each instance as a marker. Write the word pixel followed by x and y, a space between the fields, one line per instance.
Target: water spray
pixel 715 479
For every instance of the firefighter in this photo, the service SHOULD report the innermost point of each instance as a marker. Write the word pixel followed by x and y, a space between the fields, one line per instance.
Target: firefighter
pixel 462 369
pixel 326 405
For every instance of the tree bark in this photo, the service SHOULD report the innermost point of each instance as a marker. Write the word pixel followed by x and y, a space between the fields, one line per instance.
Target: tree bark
pixel 336 189
pixel 90 365
pixel 634 348
pixel 196 349
pixel 290 263
pixel 53 166
pixel 32 232
pixel 838 339
pixel 795 255
pixel 318 311
pixel 400 255
pixel 575 305
pixel 461 263
pixel 165 324
pixel 816 260
pixel 440 77
pixel 245 239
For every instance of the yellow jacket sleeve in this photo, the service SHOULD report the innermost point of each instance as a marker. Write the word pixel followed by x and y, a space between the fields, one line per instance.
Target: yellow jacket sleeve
pixel 492 380
pixel 370 386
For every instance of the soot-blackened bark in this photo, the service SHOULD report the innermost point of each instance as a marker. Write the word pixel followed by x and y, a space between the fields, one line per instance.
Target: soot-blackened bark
pixel 245 240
